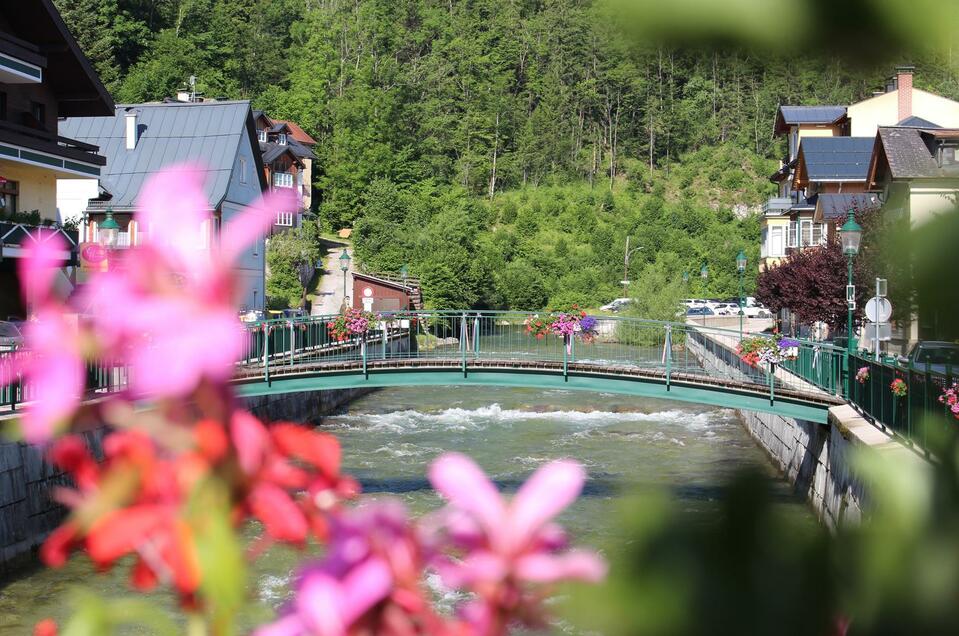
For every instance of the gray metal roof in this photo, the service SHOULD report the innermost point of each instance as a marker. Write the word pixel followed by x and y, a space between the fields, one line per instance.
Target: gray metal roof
pixel 207 134
pixel 836 158
pixel 811 114
pixel 835 205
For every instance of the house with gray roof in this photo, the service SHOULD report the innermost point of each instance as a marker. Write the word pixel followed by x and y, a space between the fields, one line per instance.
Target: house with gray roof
pixel 140 139
pixel 288 163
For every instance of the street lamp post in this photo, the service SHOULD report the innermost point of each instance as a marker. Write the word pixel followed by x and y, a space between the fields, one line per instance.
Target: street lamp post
pixel 851 235
pixel 741 267
pixel 704 274
pixel 628 252
pixel 345 266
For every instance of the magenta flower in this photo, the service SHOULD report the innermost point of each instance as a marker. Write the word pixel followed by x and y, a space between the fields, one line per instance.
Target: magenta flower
pixel 506 546
pixel 51 363
pixel 369 581
pixel 169 310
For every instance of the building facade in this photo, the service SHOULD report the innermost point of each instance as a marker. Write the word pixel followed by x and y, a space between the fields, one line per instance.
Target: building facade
pixel 287 157
pixel 43 76
pixel 218 137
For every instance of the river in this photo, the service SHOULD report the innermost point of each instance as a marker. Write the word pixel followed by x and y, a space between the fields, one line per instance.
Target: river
pixel 390 436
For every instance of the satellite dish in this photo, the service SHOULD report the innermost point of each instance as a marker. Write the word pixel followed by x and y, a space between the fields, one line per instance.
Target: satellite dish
pixel 878 309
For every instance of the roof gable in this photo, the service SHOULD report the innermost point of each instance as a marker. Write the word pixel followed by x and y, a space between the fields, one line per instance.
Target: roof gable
pixel 75 84
pixel 788 116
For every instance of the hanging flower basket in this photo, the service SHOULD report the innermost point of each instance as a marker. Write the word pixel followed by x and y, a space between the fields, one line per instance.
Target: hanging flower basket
pixel 756 350
pixel 862 375
pixel 354 322
pixel 899 388
pixel 566 325
pixel 950 397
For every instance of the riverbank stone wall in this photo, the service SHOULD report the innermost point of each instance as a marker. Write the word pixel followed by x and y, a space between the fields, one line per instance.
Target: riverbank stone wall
pixel 814 458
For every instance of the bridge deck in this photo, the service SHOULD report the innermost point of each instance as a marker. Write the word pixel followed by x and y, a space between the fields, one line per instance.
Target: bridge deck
pixel 250 374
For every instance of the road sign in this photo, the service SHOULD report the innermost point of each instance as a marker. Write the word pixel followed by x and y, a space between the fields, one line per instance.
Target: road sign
pixel 884 332
pixel 878 309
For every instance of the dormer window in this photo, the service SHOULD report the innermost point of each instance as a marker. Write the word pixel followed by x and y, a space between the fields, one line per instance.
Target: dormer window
pixel 281 139
pixel 261 135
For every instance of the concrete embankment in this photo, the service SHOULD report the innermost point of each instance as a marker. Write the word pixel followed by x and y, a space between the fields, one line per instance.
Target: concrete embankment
pixel 815 458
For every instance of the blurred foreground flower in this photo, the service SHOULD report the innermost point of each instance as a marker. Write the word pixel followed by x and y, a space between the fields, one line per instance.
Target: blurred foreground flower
pixel 504 548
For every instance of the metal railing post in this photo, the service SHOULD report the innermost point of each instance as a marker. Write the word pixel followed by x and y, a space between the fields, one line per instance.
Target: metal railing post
pixel 476 336
pixel 463 342
pixel 566 348
pixel 772 383
pixel 366 374
pixel 386 338
pixel 292 343
pixel 266 353
pixel 668 353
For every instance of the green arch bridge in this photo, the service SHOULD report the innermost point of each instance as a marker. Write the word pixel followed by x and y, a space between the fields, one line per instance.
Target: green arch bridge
pixel 676 361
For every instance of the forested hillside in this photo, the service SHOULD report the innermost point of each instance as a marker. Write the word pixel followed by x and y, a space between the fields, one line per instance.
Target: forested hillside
pixel 499 118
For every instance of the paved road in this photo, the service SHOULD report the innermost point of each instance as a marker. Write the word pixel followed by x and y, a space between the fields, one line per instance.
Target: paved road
pixel 328 297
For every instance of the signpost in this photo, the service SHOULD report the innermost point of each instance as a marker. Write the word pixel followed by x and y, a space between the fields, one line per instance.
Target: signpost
pixel 878 312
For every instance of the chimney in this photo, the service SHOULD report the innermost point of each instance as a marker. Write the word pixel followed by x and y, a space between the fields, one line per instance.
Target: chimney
pixel 904 84
pixel 132 130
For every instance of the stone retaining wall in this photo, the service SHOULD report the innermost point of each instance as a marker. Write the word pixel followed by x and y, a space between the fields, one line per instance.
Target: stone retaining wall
pixel 813 457
pixel 27 511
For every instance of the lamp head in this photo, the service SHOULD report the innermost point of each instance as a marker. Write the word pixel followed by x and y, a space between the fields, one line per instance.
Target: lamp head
pixel 741 261
pixel 344 260
pixel 851 235
pixel 109 231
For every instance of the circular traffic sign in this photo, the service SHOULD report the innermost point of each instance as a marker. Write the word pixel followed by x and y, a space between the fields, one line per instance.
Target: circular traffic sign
pixel 878 309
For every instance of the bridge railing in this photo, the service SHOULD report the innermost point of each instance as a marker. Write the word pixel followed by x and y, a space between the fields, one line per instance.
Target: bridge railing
pixel 278 346
pixel 914 415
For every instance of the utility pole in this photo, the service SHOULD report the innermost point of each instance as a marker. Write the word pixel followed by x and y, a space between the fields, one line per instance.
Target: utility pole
pixel 628 253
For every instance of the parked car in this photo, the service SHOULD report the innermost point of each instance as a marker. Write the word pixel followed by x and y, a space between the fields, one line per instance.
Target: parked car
pixel 726 309
pixel 10 336
pixel 756 312
pixel 617 304
pixel 938 355
pixel 297 312
pixel 252 315
pixel 700 311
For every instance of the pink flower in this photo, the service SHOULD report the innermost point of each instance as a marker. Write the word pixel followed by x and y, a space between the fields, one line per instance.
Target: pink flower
pixel 169 307
pixel 369 581
pixel 508 545
pixel 51 364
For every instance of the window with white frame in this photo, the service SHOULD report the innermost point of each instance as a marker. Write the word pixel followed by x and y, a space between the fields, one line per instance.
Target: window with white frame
pixel 261 135
pixel 282 180
pixel 776 241
pixel 792 237
pixel 281 139
pixel 818 233
pixel 284 218
pixel 805 233
pixel 241 168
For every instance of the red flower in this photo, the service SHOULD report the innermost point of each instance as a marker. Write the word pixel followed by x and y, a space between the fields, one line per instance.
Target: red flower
pixel 46 627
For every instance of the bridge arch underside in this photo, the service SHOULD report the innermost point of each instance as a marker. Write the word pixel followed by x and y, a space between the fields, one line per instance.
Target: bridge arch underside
pixel 683 388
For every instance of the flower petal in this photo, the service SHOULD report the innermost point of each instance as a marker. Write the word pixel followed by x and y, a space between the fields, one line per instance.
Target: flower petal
pixel 466 486
pixel 321 450
pixel 38 270
pixel 548 568
pixel 544 495
pixel 119 532
pixel 320 603
pixel 250 439
pixel 290 625
pixel 283 519
pixel 364 586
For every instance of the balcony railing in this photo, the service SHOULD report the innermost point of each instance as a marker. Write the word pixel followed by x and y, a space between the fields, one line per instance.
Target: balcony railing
pixel 778 205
